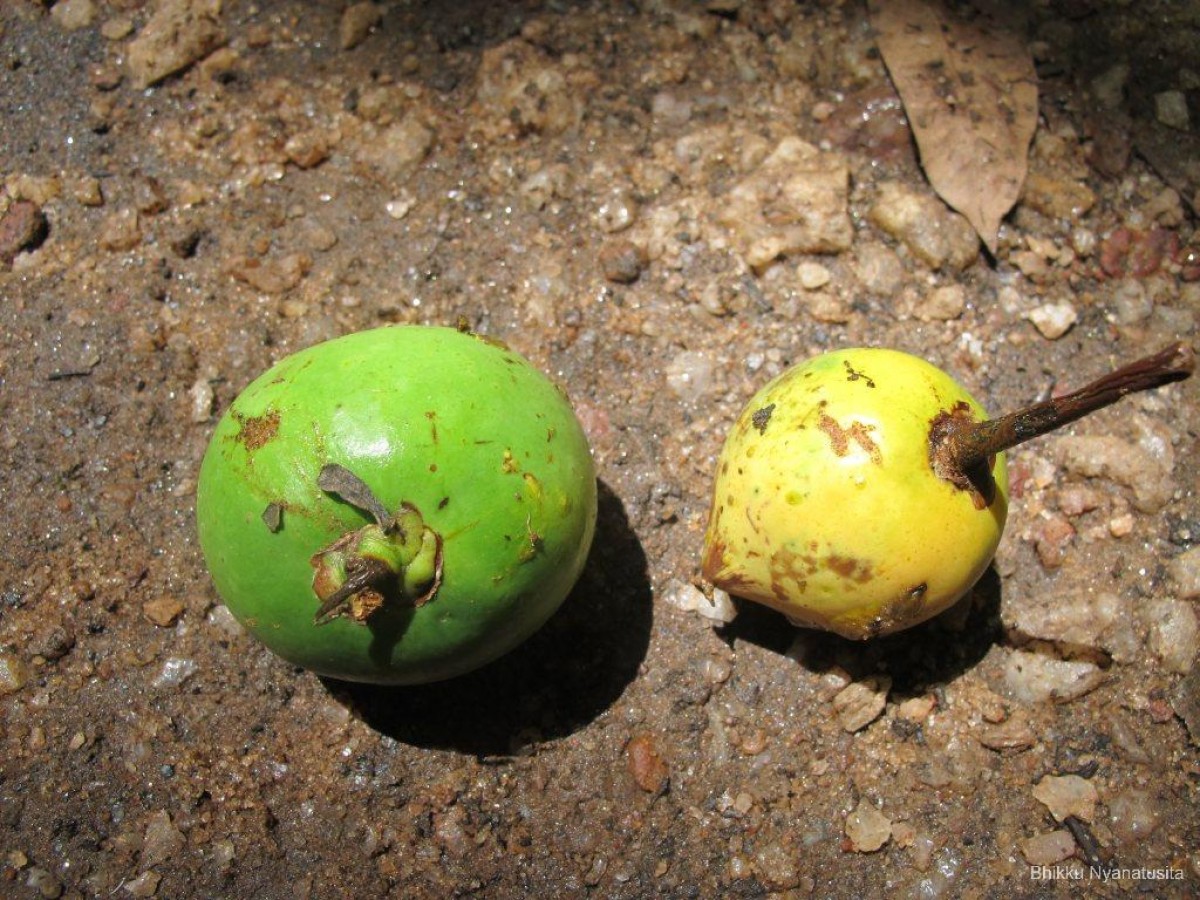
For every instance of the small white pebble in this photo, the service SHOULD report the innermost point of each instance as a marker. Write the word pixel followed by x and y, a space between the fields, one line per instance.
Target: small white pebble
pixel 174 672
pixel 1033 678
pixel 867 828
pixel 1121 526
pixel 812 275
pixel 201 393
pixel 690 598
pixel 690 375
pixel 1067 795
pixel 1053 320
pixel 1047 849
pixel 401 206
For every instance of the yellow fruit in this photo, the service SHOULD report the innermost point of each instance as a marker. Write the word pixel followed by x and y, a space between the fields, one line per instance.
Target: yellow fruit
pixel 865 491
pixel 826 504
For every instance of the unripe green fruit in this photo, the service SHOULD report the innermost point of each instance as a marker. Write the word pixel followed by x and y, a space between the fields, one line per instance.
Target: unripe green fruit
pixel 398 505
pixel 826 506
pixel 864 491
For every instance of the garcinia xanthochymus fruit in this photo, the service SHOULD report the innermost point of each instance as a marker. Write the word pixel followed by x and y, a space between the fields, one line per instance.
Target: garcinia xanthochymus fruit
pixel 399 505
pixel 864 491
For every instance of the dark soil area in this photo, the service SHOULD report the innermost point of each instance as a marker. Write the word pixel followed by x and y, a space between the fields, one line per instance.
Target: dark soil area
pixel 190 190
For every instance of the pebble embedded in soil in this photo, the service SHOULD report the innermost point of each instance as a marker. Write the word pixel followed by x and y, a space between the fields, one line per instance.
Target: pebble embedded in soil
pixel 867 828
pixel 1133 815
pixel 646 764
pixel 357 21
pixel 163 611
pixel 161 840
pixel 13 673
pixel 622 261
pixel 1035 678
pixel 121 231
pixel 1122 461
pixel 179 33
pixel 1076 618
pixel 812 275
pixel 1171 108
pixel 1184 571
pixel 795 201
pixel 1174 634
pixel 690 375
pixel 943 303
pixel 1067 795
pixel 73 15
pixel 1053 320
pixel 1048 848
pixel 861 702
pixel 689 598
pixel 934 234
pixel 23 226
pixel 1057 196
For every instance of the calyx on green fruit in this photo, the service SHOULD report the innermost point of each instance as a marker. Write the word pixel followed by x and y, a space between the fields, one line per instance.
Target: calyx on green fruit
pixel 397 554
pixel 865 491
pixel 398 505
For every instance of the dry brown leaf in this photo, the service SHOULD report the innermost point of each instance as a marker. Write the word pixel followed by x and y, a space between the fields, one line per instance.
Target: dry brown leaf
pixel 970 93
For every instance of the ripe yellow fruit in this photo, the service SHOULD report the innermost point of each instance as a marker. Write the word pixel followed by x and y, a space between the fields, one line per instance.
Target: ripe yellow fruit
pixel 865 491
pixel 827 506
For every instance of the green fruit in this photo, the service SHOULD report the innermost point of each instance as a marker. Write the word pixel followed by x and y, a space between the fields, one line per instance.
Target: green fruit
pixel 397 506
pixel 864 491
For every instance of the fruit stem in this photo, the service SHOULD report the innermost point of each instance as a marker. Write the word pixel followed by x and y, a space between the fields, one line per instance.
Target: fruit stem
pixel 969 445
pixel 396 554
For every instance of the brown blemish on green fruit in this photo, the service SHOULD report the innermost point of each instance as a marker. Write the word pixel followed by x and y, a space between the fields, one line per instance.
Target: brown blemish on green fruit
pixel 839 437
pixel 432 417
pixel 762 417
pixel 257 431
pixel 534 485
pixel 535 543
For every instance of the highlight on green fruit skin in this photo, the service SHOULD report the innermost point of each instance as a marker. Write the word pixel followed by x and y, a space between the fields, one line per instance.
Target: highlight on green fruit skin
pixel 865 491
pixel 399 505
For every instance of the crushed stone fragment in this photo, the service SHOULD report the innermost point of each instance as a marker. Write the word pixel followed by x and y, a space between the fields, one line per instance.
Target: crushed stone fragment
pixel 1067 795
pixel 860 703
pixel 179 33
pixel 867 828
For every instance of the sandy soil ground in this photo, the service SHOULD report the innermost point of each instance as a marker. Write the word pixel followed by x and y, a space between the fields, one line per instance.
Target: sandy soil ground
pixel 192 190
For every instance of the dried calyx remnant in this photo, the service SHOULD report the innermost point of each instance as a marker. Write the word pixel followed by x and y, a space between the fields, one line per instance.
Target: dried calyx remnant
pixel 961 450
pixel 397 555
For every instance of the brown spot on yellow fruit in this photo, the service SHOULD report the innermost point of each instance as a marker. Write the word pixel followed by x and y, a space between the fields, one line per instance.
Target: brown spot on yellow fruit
pixel 850 568
pixel 854 375
pixel 840 438
pixel 762 417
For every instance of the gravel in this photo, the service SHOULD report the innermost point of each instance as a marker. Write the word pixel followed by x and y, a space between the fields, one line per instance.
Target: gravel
pixel 663 205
